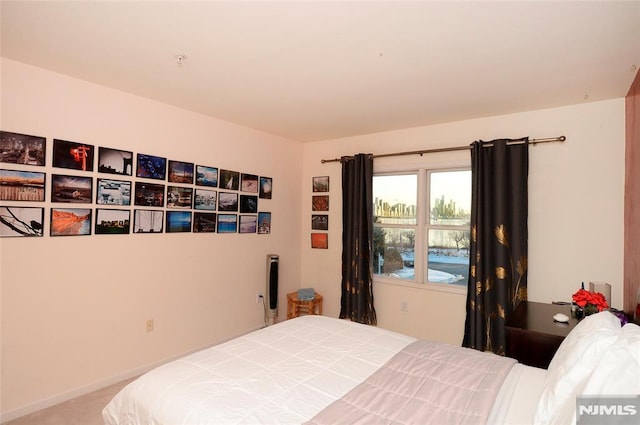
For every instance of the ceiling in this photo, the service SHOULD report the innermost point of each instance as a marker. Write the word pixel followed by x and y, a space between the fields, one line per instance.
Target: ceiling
pixel 317 70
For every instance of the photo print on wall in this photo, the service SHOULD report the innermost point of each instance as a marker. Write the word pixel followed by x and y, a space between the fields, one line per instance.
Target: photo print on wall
pixel 204 222
pixel 112 222
pixel 249 183
pixel 72 155
pixel 321 184
pixel 115 161
pixel 229 180
pixel 22 185
pixel 266 184
pixel 205 199
pixel 71 189
pixel 16 148
pixel 113 192
pixel 180 172
pixel 227 201
pixel 70 222
pixel 178 221
pixel 264 223
pixel 149 194
pixel 151 167
pixel 179 197
pixel 148 221
pixel 206 176
pixel 248 224
pixel 227 223
pixel 21 221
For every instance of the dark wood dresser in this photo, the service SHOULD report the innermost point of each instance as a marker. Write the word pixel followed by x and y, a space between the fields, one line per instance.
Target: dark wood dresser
pixel 533 337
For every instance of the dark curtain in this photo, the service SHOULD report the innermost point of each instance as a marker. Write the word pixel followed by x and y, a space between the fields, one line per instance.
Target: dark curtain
pixel 498 257
pixel 357 239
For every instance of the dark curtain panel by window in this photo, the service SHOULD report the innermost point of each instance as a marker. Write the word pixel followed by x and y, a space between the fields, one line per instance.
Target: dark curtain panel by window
pixel 357 238
pixel 498 257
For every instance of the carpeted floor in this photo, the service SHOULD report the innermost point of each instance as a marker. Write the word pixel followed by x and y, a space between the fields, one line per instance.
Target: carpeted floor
pixel 83 410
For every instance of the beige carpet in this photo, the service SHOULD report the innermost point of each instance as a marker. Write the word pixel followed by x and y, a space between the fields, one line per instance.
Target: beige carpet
pixel 83 410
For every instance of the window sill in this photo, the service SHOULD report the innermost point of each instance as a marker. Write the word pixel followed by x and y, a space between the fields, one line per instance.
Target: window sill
pixel 437 287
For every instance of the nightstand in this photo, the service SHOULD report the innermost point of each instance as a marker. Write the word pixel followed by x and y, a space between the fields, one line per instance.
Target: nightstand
pixel 533 337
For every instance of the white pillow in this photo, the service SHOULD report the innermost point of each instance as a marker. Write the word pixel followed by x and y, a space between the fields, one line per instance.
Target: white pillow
pixel 618 372
pixel 571 366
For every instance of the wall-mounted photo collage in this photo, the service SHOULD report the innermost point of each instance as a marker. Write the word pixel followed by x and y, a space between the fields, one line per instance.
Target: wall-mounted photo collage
pixel 165 196
pixel 320 216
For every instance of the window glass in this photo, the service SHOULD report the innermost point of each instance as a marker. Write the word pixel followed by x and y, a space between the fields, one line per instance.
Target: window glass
pixel 394 251
pixel 448 256
pixel 394 198
pixel 425 241
pixel 450 197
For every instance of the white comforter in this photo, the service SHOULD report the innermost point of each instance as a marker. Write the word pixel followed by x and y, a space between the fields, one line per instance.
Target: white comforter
pixel 283 374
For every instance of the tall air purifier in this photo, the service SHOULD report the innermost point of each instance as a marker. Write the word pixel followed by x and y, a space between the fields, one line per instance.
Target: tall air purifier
pixel 272 289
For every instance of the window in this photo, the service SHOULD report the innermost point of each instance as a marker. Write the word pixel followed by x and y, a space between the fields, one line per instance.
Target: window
pixel 421 226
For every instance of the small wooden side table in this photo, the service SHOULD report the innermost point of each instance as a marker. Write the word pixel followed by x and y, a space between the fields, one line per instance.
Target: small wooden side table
pixel 296 306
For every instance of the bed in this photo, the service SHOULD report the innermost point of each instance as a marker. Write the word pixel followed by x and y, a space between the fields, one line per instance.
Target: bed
pixel 318 370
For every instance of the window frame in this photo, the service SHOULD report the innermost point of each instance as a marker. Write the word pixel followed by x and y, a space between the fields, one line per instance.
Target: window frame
pixel 423 224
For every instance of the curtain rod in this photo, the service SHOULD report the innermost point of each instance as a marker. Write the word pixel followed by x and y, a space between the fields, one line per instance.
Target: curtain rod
pixel 457 148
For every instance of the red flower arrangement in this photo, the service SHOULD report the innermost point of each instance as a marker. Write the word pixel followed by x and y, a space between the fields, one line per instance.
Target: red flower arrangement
pixel 590 302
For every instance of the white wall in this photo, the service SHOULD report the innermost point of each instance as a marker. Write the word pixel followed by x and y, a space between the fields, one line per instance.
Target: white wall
pixel 575 209
pixel 73 309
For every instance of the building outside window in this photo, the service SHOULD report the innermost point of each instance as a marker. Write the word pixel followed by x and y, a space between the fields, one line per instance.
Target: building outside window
pixel 421 230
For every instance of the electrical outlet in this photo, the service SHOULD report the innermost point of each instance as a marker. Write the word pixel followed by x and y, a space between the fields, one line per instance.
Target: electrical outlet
pixel 150 325
pixel 404 306
pixel 259 296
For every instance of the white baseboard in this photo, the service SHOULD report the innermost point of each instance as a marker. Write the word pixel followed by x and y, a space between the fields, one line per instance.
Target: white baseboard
pixel 60 398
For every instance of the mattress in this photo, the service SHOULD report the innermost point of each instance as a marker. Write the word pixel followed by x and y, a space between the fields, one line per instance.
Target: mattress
pixel 282 374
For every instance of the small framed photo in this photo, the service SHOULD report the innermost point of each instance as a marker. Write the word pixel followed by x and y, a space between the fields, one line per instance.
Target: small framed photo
pixel 248 204
pixel 113 192
pixel 149 194
pixel 151 167
pixel 178 221
pixel 112 222
pixel 21 221
pixel 265 187
pixel 321 184
pixel 71 189
pixel 227 223
pixel 70 221
pixel 205 199
pixel 22 185
pixel 227 201
pixel 248 224
pixel 264 223
pixel 229 180
pixel 115 161
pixel 76 156
pixel 180 172
pixel 179 197
pixel 320 240
pixel 249 183
pixel 16 148
pixel 204 222
pixel 148 221
pixel 319 222
pixel 320 203
pixel 206 176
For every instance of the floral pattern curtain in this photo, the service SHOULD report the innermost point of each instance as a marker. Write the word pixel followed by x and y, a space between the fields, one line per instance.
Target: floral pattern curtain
pixel 498 256
pixel 357 239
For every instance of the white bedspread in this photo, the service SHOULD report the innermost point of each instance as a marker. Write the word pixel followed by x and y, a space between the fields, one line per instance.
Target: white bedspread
pixel 284 374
